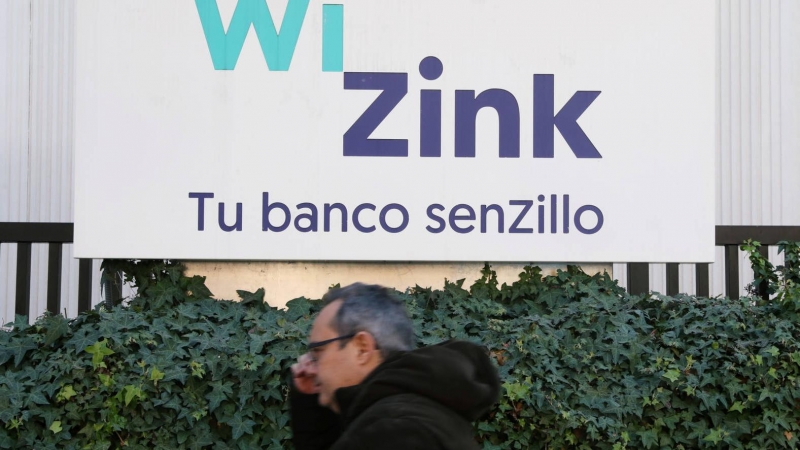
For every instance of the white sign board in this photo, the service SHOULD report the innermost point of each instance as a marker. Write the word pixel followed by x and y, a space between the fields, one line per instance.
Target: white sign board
pixel 435 130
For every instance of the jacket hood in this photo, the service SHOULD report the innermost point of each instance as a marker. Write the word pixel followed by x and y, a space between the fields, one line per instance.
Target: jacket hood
pixel 456 374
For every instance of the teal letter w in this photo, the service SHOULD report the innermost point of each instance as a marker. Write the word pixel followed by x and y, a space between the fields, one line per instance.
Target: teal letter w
pixel 278 48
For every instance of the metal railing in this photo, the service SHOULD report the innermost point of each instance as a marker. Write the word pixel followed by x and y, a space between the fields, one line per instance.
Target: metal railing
pixel 24 234
pixel 729 237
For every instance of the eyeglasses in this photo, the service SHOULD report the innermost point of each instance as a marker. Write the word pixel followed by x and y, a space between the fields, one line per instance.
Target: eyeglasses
pixel 315 348
pixel 313 345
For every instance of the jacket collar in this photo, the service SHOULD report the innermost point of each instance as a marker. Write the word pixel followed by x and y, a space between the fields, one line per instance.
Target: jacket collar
pixel 346 398
pixel 352 400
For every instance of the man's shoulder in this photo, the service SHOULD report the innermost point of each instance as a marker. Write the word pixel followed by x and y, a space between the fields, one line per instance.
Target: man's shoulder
pixel 411 419
pixel 410 406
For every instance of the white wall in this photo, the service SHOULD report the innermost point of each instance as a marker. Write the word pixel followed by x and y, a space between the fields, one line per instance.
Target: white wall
pixel 758 149
pixel 36 153
pixel 758 145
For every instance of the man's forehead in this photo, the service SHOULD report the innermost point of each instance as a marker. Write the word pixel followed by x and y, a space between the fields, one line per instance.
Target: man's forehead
pixel 322 324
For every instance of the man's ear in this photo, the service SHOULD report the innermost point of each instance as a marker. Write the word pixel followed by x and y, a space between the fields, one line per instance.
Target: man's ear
pixel 366 347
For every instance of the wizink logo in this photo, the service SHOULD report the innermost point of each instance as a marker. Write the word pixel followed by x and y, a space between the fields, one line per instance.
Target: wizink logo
pixel 278 47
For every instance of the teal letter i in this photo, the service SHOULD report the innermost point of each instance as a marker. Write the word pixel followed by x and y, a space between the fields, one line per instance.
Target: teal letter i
pixel 332 38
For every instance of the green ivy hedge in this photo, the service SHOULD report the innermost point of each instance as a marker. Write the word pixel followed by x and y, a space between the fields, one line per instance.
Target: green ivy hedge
pixel 584 365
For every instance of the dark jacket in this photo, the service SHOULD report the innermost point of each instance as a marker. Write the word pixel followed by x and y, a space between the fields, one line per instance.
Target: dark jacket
pixel 422 399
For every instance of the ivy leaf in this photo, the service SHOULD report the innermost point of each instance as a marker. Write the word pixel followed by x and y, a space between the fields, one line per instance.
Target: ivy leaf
pixel 240 426
pixel 131 392
pixel 672 375
pixel 515 391
pixel 196 287
pixel 49 415
pixel 57 326
pixel 649 438
pixel 176 322
pixel 187 310
pixel 197 369
pixel 169 401
pixel 156 375
pixel 5 439
pixel 250 298
pixel 737 406
pixel 257 342
pixel 298 308
pixel 176 373
pixel 245 391
pixel 18 348
pixel 105 380
pixel 163 294
pixel 83 338
pixel 715 436
pixel 129 320
pixel 19 324
pixel 219 393
pixel 37 396
pixel 66 393
pixel 286 354
pixel 56 427
pixel 98 350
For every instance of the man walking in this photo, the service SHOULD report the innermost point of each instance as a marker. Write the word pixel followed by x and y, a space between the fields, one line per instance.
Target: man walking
pixel 363 386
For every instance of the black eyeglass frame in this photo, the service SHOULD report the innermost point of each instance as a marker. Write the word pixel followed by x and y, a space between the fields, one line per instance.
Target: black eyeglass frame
pixel 313 345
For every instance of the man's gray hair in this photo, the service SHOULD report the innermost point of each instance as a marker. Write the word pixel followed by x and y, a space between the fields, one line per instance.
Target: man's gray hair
pixel 373 309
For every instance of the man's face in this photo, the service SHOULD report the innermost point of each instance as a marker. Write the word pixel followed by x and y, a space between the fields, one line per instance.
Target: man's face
pixel 336 367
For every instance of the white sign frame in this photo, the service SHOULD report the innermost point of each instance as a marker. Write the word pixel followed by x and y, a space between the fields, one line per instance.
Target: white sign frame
pixel 159 130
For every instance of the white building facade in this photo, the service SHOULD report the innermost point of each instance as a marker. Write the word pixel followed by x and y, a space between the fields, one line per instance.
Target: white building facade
pixel 757 145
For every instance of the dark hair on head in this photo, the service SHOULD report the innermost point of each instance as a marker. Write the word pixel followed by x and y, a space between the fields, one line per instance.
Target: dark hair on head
pixel 376 310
